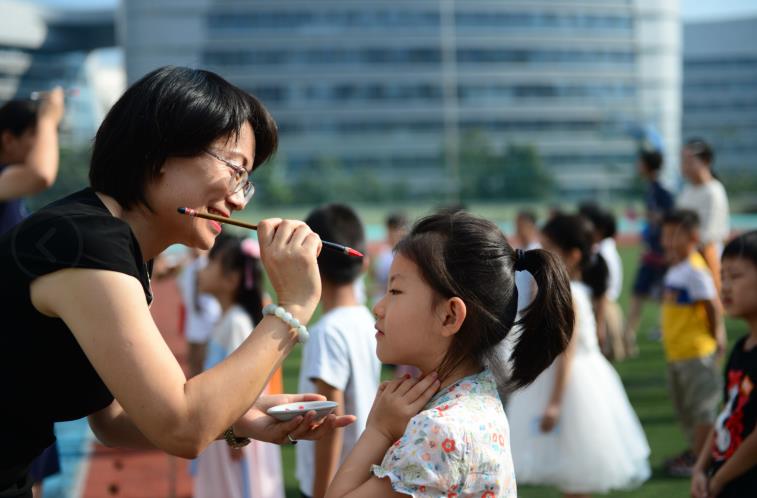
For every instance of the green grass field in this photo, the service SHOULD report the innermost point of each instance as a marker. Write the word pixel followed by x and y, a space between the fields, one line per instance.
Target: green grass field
pixel 644 379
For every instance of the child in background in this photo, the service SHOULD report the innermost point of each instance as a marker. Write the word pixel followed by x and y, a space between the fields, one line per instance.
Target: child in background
pixel 606 308
pixel 451 299
pixel 528 237
pixel 396 228
pixel 691 336
pixel 727 464
pixel 234 276
pixel 653 265
pixel 201 311
pixel 339 360
pixel 705 195
pixel 574 427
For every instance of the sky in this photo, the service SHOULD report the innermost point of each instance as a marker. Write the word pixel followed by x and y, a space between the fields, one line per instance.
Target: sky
pixel 691 10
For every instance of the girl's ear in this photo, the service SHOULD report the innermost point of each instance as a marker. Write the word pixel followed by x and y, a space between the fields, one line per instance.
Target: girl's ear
pixel 453 312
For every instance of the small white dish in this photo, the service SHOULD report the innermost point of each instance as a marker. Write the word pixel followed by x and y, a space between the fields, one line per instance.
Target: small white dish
pixel 291 410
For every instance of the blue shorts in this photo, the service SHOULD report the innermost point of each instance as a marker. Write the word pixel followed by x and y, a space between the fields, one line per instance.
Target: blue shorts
pixel 649 280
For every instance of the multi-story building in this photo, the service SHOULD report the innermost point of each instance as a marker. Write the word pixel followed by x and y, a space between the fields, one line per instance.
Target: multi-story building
pixel 720 91
pixel 41 47
pixel 397 86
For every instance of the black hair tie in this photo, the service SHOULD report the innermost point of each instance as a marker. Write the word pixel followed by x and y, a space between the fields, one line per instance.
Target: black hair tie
pixel 520 260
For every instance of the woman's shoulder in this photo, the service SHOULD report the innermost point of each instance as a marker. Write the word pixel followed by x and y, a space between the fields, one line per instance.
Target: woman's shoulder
pixel 77 231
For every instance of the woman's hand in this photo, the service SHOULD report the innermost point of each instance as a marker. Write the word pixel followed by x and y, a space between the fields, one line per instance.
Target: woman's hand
pixel 699 484
pixel 399 400
pixel 52 106
pixel 550 417
pixel 288 250
pixel 257 424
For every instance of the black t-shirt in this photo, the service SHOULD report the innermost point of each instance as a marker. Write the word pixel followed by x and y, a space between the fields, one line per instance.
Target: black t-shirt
pixel 44 375
pixel 737 420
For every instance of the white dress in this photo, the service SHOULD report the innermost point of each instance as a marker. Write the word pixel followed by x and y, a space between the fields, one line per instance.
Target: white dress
pixel 258 473
pixel 598 443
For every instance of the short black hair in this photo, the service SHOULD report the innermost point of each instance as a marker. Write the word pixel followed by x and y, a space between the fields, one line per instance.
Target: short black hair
pixel 576 231
pixel 528 215
pixel 396 220
pixel 651 158
pixel 171 112
pixel 17 116
pixel 602 219
pixel 701 149
pixel 338 223
pixel 682 218
pixel 744 246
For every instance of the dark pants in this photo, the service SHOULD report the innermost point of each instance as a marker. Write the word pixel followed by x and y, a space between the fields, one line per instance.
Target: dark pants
pixel 16 482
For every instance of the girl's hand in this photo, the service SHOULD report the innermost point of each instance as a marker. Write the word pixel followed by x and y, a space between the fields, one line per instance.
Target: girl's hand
pixel 550 417
pixel 288 250
pixel 699 484
pixel 257 424
pixel 399 400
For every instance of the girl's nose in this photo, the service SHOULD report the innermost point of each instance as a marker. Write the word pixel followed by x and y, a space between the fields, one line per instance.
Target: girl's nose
pixel 378 308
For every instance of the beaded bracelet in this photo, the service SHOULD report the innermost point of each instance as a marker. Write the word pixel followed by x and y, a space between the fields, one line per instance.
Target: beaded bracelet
pixel 302 332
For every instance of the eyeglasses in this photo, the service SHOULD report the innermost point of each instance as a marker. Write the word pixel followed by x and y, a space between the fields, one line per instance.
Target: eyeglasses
pixel 239 181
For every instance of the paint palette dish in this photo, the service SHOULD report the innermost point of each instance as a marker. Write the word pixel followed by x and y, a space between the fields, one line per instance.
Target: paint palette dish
pixel 291 410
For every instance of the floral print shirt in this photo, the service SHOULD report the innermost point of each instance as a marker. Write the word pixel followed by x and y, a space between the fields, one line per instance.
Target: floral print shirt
pixel 457 446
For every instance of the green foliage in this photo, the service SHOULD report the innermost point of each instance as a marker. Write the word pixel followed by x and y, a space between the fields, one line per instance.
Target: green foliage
pixel 73 175
pixel 517 173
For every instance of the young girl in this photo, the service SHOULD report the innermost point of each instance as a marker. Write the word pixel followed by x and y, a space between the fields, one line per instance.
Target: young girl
pixel 451 299
pixel 574 427
pixel 727 464
pixel 233 276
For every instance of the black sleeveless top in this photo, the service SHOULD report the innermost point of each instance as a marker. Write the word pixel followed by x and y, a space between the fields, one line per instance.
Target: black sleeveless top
pixel 44 375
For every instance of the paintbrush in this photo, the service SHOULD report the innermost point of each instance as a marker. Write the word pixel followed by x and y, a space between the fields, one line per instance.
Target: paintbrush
pixel 230 221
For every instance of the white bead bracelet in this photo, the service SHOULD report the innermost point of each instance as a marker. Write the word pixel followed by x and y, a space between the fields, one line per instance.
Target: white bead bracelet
pixel 302 332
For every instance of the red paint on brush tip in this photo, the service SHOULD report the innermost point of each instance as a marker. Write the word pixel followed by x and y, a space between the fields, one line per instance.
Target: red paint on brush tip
pixel 351 252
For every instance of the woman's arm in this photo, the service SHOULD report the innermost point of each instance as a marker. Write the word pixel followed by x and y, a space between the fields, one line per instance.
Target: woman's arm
pixel 114 428
pixel 40 167
pixel 107 314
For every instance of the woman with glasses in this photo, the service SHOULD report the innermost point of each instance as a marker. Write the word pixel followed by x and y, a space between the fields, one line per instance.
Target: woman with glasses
pixel 75 290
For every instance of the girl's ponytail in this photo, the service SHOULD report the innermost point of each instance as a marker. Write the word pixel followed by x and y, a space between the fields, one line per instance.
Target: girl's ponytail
pixel 595 274
pixel 546 325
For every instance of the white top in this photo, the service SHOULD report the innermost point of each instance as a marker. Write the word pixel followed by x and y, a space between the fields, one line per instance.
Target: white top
pixel 341 352
pixel 525 282
pixel 201 316
pixel 609 252
pixel 691 283
pixel 710 202
pixel 586 324
pixel 258 472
